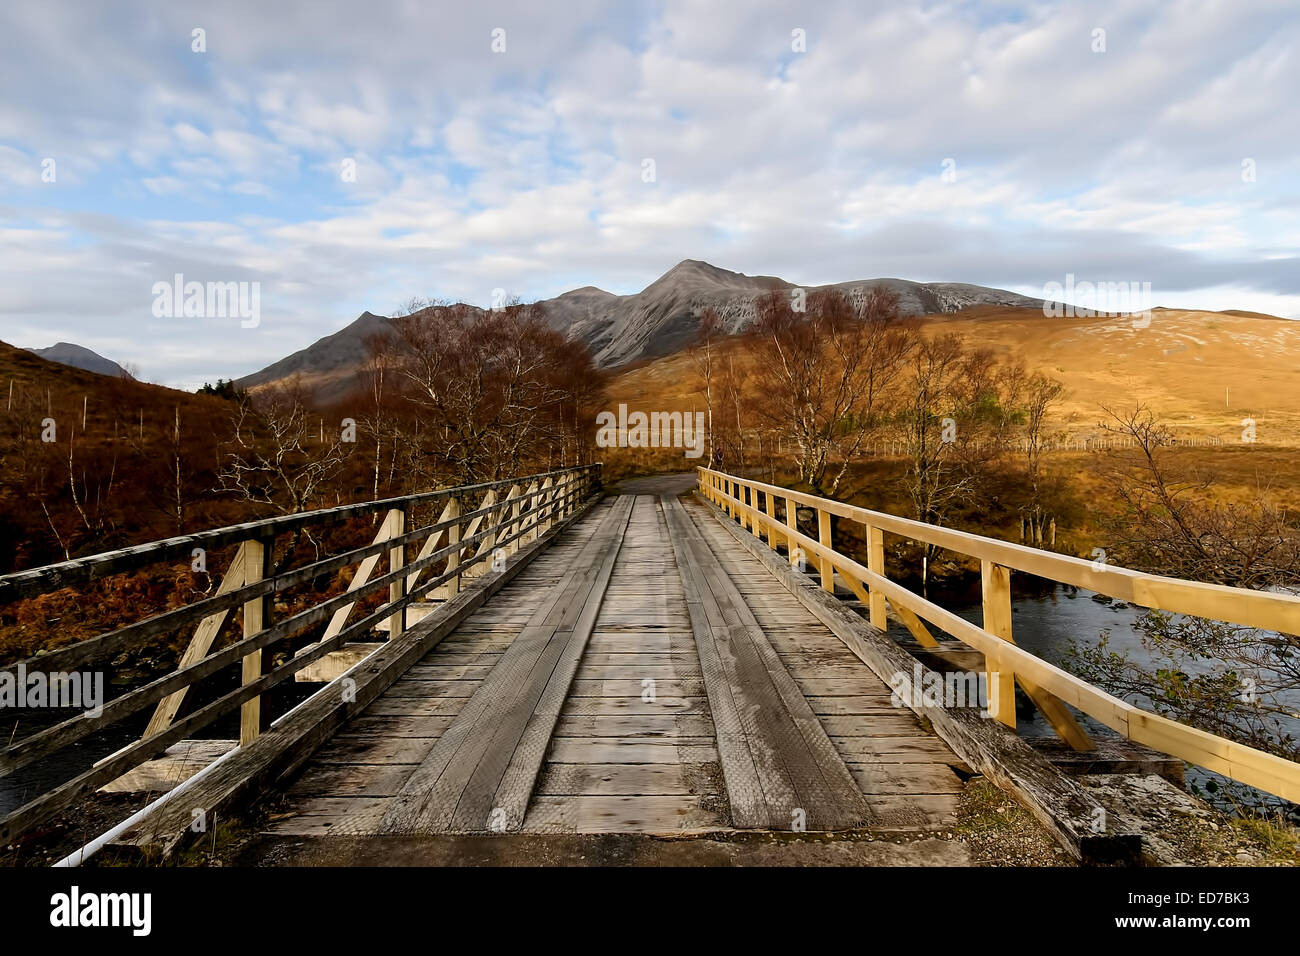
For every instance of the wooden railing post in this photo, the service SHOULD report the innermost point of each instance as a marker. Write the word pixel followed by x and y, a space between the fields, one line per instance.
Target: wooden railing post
pixel 257 565
pixel 510 520
pixel 996 587
pixel 791 522
pixel 826 568
pixel 396 525
pixel 530 519
pixel 548 515
pixel 452 511
pixel 770 502
pixel 876 565
pixel 485 524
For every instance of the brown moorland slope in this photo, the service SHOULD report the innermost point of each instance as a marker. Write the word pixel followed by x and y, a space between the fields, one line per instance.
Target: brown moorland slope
pixel 115 443
pixel 1201 372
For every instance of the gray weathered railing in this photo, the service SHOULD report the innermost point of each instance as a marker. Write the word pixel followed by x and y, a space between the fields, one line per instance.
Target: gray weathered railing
pixel 476 523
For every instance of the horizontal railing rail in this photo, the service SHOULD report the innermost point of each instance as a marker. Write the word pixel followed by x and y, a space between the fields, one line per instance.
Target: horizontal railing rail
pixel 1046 685
pixel 81 571
pixel 474 537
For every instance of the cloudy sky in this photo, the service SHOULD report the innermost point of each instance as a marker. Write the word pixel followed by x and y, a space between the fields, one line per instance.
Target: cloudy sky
pixel 537 147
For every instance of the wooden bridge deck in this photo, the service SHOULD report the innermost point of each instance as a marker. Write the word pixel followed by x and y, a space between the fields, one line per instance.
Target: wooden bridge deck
pixel 641 675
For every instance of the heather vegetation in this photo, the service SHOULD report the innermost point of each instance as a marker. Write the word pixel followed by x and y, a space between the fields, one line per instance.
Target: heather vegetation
pixel 89 463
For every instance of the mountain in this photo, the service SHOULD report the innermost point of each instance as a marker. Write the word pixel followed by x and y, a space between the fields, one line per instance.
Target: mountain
pixel 76 356
pixel 663 317
pixel 328 366
pixel 659 320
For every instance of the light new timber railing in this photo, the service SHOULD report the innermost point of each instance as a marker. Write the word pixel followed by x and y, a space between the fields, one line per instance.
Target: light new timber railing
pixel 772 512
pixel 475 525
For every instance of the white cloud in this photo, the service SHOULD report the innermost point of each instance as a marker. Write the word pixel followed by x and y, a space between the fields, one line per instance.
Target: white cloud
pixel 523 169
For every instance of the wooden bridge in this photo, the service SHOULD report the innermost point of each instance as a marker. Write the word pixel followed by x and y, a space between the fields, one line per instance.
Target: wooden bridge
pixel 540 657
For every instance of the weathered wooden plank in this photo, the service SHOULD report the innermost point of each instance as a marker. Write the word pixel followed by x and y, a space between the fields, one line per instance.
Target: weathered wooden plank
pixel 525 762
pixel 178 763
pixel 905 778
pixel 745 793
pixel 647 779
pixel 600 706
pixel 370 724
pixel 689 662
pixel 921 744
pixel 638 672
pixel 838 686
pixel 816 763
pixel 472 771
pixel 442 672
pixel 374 750
pixel 904 813
pixel 350 780
pixel 635 750
pixel 325 816
pixel 901 723
pixel 674 687
pixel 798 769
pixel 388 706
pixel 641 725
pixel 621 814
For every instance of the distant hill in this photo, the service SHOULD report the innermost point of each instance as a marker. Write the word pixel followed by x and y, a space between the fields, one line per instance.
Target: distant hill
pixel 327 367
pixel 1201 372
pixel 77 356
pixel 619 330
pixel 116 438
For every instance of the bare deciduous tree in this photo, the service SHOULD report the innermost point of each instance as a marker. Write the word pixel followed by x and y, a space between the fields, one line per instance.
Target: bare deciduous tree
pixel 1166 525
pixel 276 456
pixel 821 375
pixel 954 421
pixel 1041 395
pixel 703 355
pixel 491 389
pixel 1230 680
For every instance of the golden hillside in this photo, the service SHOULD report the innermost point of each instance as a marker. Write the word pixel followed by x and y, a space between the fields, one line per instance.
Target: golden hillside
pixel 1202 372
